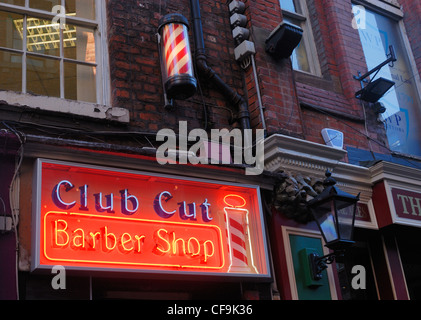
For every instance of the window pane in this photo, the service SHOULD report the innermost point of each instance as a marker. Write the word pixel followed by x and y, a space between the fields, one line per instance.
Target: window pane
pixel 14 2
pixel 299 57
pixel 403 115
pixel 288 5
pixel 11 71
pixel 79 44
pixel 43 36
pixel 81 8
pixel 46 5
pixel 43 76
pixel 80 82
pixel 11 35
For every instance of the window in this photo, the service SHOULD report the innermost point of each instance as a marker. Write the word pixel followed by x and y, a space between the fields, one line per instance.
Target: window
pixel 39 55
pixel 402 118
pixel 304 57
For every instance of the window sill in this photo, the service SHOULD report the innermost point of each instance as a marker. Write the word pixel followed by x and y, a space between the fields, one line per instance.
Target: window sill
pixel 318 81
pixel 53 104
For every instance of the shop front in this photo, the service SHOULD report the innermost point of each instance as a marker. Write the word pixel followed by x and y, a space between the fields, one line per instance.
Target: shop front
pixel 294 234
pixel 397 199
pixel 384 263
pixel 132 232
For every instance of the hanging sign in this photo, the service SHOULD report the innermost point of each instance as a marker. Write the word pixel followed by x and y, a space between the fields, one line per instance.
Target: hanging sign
pixel 95 218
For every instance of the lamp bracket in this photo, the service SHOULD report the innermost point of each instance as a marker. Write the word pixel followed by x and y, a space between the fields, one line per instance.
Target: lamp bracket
pixel 319 264
pixel 391 57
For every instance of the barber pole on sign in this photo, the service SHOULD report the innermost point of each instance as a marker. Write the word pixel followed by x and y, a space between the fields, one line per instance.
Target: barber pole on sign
pixel 176 58
pixel 239 246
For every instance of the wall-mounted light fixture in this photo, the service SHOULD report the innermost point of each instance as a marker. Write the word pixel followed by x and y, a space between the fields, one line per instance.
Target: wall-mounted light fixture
pixel 376 89
pixel 283 40
pixel 334 212
pixel 176 59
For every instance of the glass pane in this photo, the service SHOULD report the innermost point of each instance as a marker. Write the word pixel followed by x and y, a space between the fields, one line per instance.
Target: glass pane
pixel 402 118
pixel 299 56
pixel 11 26
pixel 81 8
pixel 328 226
pixel 345 214
pixel 43 36
pixel 43 76
pixel 11 71
pixel 325 218
pixel 79 44
pixel 14 2
pixel 80 82
pixel 46 5
pixel 288 5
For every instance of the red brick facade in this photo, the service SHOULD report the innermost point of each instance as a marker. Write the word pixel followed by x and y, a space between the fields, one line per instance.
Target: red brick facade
pixel 296 103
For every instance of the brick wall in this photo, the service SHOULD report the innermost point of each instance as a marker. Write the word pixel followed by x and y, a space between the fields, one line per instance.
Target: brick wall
pixel 275 77
pixel 340 54
pixel 295 103
pixel 135 70
pixel 413 26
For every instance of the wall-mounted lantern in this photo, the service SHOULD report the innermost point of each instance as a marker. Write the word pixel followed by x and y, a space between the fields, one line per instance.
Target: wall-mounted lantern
pixel 176 58
pixel 334 212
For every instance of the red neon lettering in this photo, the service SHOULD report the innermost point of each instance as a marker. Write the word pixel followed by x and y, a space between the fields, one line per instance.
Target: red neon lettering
pixel 81 238
pixel 84 238
pixel 107 237
pixel 59 233
pixel 177 246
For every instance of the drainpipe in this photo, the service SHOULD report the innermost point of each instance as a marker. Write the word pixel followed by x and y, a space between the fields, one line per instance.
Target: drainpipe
pixel 202 67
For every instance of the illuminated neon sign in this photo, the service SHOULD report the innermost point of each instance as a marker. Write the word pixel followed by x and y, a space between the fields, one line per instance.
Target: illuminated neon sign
pixel 95 218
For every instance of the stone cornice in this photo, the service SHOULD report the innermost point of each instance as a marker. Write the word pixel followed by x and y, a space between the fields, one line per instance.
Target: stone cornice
pixel 395 172
pixel 297 156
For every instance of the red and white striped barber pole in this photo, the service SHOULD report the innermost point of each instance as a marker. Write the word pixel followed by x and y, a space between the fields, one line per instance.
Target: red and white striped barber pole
pixel 176 58
pixel 239 242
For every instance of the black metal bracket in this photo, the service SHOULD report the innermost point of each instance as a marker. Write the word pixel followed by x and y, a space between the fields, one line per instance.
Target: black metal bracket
pixel 391 58
pixel 319 264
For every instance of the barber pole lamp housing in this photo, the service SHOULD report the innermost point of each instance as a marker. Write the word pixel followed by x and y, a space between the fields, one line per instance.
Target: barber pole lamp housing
pixel 176 59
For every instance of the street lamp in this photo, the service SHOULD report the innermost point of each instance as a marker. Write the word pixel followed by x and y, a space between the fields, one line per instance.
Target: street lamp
pixel 334 212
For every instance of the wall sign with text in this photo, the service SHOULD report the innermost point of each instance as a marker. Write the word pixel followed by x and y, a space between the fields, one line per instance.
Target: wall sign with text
pixel 407 204
pixel 95 218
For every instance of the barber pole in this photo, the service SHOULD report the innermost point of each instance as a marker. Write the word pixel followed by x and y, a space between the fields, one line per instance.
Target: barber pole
pixel 176 58
pixel 239 246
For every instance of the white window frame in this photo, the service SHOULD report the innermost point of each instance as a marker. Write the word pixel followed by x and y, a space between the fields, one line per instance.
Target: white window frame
pixel 308 38
pixel 102 108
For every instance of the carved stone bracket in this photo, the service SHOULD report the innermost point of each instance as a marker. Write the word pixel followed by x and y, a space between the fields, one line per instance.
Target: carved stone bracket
pixel 304 163
pixel 291 195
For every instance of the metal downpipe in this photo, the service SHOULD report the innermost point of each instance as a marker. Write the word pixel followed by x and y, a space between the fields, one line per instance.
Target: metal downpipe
pixel 202 67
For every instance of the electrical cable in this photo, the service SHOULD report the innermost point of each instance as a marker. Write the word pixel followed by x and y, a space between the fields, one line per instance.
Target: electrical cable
pixel 14 197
